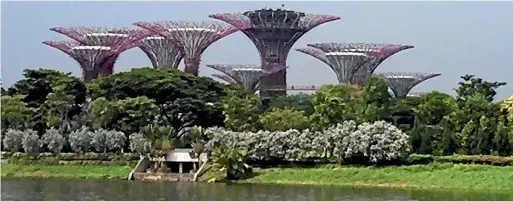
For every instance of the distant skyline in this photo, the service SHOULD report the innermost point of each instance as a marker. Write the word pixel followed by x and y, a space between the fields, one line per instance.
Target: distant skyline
pixel 451 38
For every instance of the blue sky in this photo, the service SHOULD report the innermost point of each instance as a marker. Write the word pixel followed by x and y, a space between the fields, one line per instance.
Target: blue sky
pixel 452 38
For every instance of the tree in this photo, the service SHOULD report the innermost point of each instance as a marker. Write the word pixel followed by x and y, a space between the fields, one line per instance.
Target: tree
pixel 182 99
pixel 433 107
pixel 472 84
pixel 241 112
pixel 135 113
pixel 284 119
pixel 376 100
pixel 15 113
pixel 38 83
pixel 57 107
pixel 334 104
pixel 299 101
pixel 103 113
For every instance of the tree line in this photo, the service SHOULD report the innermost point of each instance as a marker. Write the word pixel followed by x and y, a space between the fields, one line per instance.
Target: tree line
pixel 146 109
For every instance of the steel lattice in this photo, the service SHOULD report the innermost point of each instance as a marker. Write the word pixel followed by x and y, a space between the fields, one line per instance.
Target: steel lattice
pixel 193 37
pixel 247 76
pixel 316 53
pixel 402 82
pixel 274 32
pixel 377 53
pixel 90 58
pixel 162 52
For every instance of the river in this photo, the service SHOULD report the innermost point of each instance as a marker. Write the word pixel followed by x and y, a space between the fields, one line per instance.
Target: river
pixel 25 189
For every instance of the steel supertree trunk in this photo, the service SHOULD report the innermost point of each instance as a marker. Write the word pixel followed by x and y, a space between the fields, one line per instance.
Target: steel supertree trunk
pixel 193 37
pixel 274 32
pixel 89 57
pixel 401 83
pixel 118 39
pixel 376 52
pixel 162 52
pixel 247 76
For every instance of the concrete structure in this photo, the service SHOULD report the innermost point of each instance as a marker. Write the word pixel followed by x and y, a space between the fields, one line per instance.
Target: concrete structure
pixel 377 54
pixel 181 158
pixel 193 37
pixel 274 32
pixel 246 76
pixel 99 46
pixel 401 83
pixel 163 53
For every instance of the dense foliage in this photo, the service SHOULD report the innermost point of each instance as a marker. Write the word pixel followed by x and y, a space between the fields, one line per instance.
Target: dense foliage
pixel 145 110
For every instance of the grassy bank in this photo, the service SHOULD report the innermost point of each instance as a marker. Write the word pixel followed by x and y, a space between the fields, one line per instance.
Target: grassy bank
pixel 432 176
pixel 66 171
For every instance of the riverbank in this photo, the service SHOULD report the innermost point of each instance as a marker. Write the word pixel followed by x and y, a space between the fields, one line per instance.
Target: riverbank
pixel 66 171
pixel 432 176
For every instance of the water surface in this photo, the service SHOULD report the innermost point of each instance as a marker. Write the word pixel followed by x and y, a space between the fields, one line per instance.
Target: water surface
pixel 25 189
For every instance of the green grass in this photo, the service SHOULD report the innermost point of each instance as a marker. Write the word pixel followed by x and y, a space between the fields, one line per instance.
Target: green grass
pixel 66 171
pixel 432 176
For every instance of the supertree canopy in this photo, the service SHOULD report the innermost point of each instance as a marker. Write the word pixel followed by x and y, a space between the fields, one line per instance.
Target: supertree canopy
pixel 163 53
pixel 193 37
pixel 401 83
pixel 316 53
pixel 117 39
pixel 274 32
pixel 344 60
pixel 376 53
pixel 246 76
pixel 89 57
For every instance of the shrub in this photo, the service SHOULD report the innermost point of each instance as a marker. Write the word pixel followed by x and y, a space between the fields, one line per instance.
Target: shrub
pixel 139 144
pixel 13 140
pixel 99 140
pixel 377 142
pixel 80 140
pixel 374 142
pixel 31 142
pixel 116 140
pixel 53 140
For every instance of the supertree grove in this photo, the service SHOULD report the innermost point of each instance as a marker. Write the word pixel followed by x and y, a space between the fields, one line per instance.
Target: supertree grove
pixel 117 40
pixel 193 37
pixel 402 82
pixel 162 52
pixel 274 32
pixel 246 76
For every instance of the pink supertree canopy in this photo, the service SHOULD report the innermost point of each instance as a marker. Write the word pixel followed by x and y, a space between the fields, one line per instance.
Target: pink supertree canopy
pixel 402 82
pixel 193 37
pixel 274 32
pixel 117 39
pixel 89 57
pixel 245 75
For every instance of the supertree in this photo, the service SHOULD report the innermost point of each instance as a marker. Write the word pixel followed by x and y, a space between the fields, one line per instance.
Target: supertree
pixel 118 39
pixel 193 37
pixel 343 60
pixel 89 57
pixel 162 52
pixel 245 75
pixel 401 83
pixel 377 53
pixel 274 32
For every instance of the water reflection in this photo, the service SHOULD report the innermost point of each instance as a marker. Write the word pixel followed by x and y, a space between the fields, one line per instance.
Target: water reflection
pixel 14 189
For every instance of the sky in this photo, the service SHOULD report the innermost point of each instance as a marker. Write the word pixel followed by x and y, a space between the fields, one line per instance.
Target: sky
pixel 451 38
